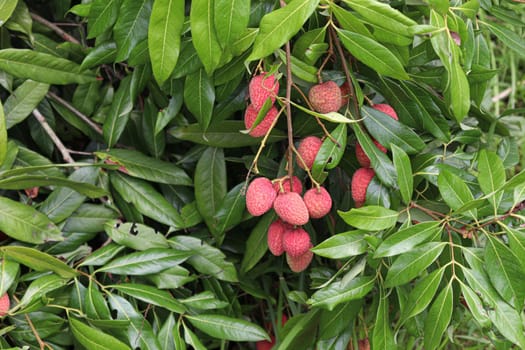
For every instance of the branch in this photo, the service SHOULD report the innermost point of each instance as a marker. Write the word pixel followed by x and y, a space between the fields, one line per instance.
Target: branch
pixel 43 122
pixel 76 112
pixel 55 28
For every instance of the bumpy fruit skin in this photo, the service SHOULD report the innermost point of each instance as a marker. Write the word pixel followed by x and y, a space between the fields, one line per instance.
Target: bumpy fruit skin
pixel 360 182
pixel 297 186
pixel 262 128
pixel 296 242
pixel 275 236
pixel 290 208
pixel 387 109
pixel 345 93
pixel 301 262
pixel 261 87
pixel 265 344
pixel 318 202
pixel 325 97
pixel 308 149
pixel 362 158
pixel 260 196
pixel 4 305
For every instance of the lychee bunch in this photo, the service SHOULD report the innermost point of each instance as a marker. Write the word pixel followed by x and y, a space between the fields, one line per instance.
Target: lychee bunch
pixel 318 202
pixel 262 128
pixel 325 97
pixel 261 88
pixel 5 304
pixel 260 196
pixel 360 181
pixel 283 185
pixel 308 149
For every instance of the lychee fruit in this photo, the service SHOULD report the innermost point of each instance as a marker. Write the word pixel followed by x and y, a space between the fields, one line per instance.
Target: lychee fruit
pixel 290 207
pixel 308 149
pixel 318 201
pixel 325 97
pixel 387 109
pixel 360 182
pixel 301 262
pixel 345 93
pixel 4 304
pixel 362 158
pixel 265 344
pixel 262 128
pixel 297 186
pixel 262 87
pixel 260 196
pixel 296 242
pixel 275 236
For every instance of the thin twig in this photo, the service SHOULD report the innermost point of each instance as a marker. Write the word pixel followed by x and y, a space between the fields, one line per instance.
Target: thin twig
pixel 76 112
pixel 43 122
pixel 55 28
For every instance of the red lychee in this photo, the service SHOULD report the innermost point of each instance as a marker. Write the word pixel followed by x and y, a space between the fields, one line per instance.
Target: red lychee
pixel 296 185
pixel 261 87
pixel 345 93
pixel 296 242
pixel 318 201
pixel 362 158
pixel 387 109
pixel 301 262
pixel 325 97
pixel 360 182
pixel 291 208
pixel 260 196
pixel 4 304
pixel 308 149
pixel 275 236
pixel 265 344
pixel 262 128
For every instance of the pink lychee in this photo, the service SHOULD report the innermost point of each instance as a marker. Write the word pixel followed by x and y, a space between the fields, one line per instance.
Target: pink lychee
pixel 325 97
pixel 318 201
pixel 262 128
pixel 285 182
pixel 275 236
pixel 296 242
pixel 262 87
pixel 301 262
pixel 387 109
pixel 260 196
pixel 360 182
pixel 290 207
pixel 308 149
pixel 362 158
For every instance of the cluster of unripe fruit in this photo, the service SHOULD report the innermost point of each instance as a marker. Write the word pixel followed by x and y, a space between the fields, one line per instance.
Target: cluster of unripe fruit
pixel 364 175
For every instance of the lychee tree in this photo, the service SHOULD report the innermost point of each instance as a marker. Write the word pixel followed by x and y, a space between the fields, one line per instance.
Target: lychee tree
pixel 303 174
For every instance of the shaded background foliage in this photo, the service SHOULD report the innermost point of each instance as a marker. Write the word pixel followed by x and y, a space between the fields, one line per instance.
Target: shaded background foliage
pixel 123 168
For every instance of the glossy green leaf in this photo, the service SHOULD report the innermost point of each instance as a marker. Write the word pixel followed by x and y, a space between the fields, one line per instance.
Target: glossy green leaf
pixel 516 242
pixel 102 16
pixel 135 236
pixel 438 318
pixel 118 114
pixel 228 328
pixel 164 32
pixel 257 243
pixel 95 305
pixel 42 67
pixel 405 178
pixel 28 181
pixel 373 54
pixel 455 191
pixel 383 337
pixel 23 101
pixel 342 245
pixel 38 289
pixel 3 135
pixel 192 339
pixel 371 218
pixel 103 53
pixel 330 153
pixel 339 292
pixel 93 338
pixel 347 20
pixel 7 7
pixel 169 334
pixel 409 265
pixel 149 261
pixel 102 255
pixel 8 273
pixel 199 97
pixel 422 294
pixel 299 332
pixel 491 175
pixel 458 91
pixel 230 212
pixel 508 321
pixel 475 306
pixel 38 261
pixel 131 26
pixel 151 295
pixel 406 239
pixel 204 301
pixel 204 34
pixel 510 38
pixel 231 21
pixel 279 26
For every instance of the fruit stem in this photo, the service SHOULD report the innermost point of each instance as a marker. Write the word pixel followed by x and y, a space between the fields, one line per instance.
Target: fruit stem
pixel 288 106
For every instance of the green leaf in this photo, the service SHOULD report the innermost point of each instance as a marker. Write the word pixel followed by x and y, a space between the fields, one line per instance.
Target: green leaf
pixel 203 34
pixel 27 181
pixel 42 67
pixel 257 243
pixel 339 292
pixel 170 337
pixel 210 184
pixel 409 265
pixel 192 339
pixel 8 274
pixel 231 211
pixel 146 199
pixel 93 338
pixel 204 301
pixel 26 224
pixel 371 218
pixel 279 26
pixel 405 178
pixel 164 32
pixel 508 321
pixel 382 337
pixel 347 20
pixel 135 236
pixel 7 7
pixel 95 304
pixel 23 101
pixel 131 26
pixel 151 295
pixel 149 261
pixel 475 306
pixel 330 153
pixel 205 258
pixel 118 114
pixel 438 318
pixel 199 97
pixel 225 134
pixel 138 165
pixel 373 54
pixel 510 38
pixel 102 255
pixel 455 191
pixel 491 175
pixel 38 289
pixel 38 261
pixel 232 20
pixel 3 135
pixel 228 328
pixel 406 239
pixel 516 242
pixel 299 332
pixel 102 16
pixel 103 53
pixel 458 91
pixel 342 245
pixel 422 294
